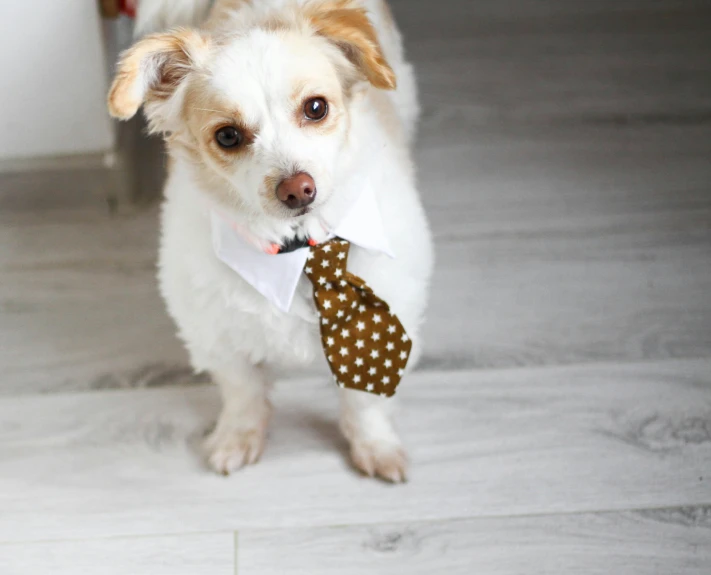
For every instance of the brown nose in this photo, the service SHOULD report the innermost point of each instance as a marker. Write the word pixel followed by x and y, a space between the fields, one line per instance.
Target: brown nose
pixel 297 191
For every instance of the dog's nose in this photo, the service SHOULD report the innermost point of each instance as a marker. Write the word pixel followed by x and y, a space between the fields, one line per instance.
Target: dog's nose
pixel 297 191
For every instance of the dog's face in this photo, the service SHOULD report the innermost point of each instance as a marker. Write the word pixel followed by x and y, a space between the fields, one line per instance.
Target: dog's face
pixel 270 116
pixel 263 114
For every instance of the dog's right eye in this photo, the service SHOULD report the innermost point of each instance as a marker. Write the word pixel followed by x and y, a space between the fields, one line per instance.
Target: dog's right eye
pixel 316 109
pixel 228 137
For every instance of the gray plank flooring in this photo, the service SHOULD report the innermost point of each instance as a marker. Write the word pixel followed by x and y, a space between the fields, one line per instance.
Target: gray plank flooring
pixel 489 443
pixel 189 554
pixel 633 542
pixel 561 418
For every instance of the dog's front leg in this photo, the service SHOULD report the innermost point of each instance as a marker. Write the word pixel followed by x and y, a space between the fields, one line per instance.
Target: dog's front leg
pixel 376 449
pixel 239 436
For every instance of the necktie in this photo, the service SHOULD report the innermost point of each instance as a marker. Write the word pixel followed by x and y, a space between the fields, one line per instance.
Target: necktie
pixel 365 344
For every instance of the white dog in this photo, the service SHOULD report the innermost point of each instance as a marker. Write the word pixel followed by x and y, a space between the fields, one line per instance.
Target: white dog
pixel 279 116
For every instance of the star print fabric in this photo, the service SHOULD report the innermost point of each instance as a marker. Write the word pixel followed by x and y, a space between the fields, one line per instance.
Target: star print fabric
pixel 366 346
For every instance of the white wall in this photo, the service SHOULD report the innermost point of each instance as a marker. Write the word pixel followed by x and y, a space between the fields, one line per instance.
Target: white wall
pixel 53 79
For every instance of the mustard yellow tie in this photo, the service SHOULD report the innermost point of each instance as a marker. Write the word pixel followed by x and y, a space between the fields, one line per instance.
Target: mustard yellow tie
pixel 366 346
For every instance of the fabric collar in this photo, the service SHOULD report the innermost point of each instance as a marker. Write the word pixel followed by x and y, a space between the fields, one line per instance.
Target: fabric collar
pixel 277 276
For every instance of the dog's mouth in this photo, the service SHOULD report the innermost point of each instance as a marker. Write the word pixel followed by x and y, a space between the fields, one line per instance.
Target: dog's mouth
pixel 301 213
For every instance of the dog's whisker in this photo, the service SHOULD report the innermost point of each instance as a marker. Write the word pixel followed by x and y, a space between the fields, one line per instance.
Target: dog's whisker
pixel 210 110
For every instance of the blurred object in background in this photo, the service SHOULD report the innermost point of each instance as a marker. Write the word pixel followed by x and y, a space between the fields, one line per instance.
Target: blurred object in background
pixel 142 159
pixel 114 8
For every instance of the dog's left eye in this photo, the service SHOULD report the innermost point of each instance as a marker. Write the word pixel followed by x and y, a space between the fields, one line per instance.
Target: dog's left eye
pixel 316 109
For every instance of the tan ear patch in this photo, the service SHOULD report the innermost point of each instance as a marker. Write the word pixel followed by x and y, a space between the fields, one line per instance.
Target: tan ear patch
pixel 152 70
pixel 347 25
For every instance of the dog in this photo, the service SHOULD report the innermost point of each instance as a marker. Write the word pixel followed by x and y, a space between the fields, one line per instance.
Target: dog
pixel 277 114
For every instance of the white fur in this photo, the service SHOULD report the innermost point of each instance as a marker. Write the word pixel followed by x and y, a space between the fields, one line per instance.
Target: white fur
pixel 229 329
pixel 158 15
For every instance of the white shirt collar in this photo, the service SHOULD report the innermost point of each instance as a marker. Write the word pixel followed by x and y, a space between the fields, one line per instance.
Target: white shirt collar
pixel 277 276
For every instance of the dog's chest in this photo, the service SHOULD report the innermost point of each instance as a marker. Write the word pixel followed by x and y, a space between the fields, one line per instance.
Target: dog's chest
pixel 268 334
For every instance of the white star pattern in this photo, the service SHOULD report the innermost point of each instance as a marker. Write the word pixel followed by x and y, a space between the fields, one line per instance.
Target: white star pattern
pixel 325 263
pixel 327 249
pixel 345 333
pixel 343 369
pixel 340 313
pixel 360 326
pixel 308 270
pixel 342 256
pixel 403 355
pixel 386 380
pixel 359 362
pixel 328 286
pixel 360 344
pixel 372 371
pixel 330 341
pixel 404 337
pixel 341 384
pixel 375 336
pixel 390 346
pixel 344 283
pixel 342 297
pixel 354 304
pixel 344 351
pixel 356 379
pixel 374 354
pixel 401 372
pixel 361 308
pixel 326 304
pixel 310 256
pixel 321 281
pixel 388 363
pixel 377 318
pixel 370 387
pixel 391 329
pixel 324 321
pixel 338 273
pixel 349 318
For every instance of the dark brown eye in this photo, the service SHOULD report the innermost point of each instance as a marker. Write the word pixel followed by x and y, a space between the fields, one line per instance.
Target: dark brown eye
pixel 229 137
pixel 316 109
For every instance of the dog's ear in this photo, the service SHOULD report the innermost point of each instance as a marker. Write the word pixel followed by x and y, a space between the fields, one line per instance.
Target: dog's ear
pixel 347 25
pixel 152 69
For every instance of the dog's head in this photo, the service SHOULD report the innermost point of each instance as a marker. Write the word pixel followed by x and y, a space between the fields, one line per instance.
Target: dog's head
pixel 263 112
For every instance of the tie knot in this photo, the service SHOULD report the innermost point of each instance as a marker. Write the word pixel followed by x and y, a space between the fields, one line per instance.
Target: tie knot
pixel 327 262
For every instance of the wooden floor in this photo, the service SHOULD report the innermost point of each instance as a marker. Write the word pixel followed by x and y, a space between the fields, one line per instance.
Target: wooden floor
pixel 561 420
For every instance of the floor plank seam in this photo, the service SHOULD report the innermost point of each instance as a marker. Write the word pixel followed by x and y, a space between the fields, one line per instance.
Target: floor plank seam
pixel 458 370
pixel 376 523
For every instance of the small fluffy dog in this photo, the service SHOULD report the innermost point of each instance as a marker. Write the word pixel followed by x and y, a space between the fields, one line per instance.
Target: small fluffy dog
pixel 277 115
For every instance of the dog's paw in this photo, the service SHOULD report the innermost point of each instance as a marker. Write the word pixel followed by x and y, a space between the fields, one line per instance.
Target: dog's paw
pixel 386 460
pixel 228 449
